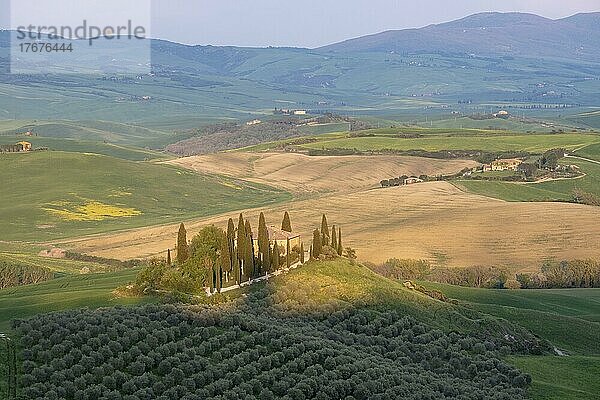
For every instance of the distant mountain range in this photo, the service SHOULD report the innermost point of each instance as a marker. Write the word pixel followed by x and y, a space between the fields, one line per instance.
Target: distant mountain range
pixel 485 60
pixel 511 34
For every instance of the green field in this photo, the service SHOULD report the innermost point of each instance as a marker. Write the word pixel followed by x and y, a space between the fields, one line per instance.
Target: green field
pixel 93 290
pixel 84 146
pixel 591 151
pixel 559 190
pixel 587 119
pixel 512 124
pixel 534 143
pixel 57 194
pixel 121 134
pixel 569 318
pixel 559 378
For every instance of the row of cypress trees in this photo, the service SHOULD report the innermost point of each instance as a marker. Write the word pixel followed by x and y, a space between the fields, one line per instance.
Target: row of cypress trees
pixel 237 260
pixel 323 237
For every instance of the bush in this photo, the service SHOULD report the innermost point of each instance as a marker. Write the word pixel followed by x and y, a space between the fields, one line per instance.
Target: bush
pixel 15 274
pixel 403 269
pixel 114 263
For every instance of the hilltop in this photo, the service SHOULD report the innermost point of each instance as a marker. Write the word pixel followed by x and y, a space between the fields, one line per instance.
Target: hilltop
pixel 491 34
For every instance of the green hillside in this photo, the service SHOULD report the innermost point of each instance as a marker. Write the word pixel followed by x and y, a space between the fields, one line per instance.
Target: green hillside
pixel 592 151
pixel 558 378
pixel 59 266
pixel 87 146
pixel 537 143
pixel 57 194
pixel 569 318
pixel 588 119
pixel 74 291
pixel 120 134
pixel 559 190
pixel 319 295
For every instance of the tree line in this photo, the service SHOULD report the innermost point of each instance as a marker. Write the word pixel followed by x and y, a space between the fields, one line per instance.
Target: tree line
pixel 564 274
pixel 326 244
pixel 216 258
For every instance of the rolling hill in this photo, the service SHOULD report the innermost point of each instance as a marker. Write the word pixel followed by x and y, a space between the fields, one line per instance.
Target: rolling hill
pixel 343 303
pixel 433 221
pixel 60 194
pixel 482 62
pixel 491 34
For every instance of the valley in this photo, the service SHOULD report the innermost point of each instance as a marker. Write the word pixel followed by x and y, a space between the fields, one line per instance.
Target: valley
pixel 440 195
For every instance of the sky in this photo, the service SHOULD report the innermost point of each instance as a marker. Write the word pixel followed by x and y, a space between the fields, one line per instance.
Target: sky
pixel 307 23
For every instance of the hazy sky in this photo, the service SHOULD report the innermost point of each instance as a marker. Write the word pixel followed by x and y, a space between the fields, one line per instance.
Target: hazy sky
pixel 311 23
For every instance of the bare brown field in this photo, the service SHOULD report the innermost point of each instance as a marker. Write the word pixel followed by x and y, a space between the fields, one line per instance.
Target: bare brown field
pixel 304 175
pixel 434 221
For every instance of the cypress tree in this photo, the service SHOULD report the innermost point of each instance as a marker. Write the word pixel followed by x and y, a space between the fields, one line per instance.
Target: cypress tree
pixel 183 251
pixel 310 253
pixel 219 273
pixel 302 252
pixel 211 278
pixel 249 256
pixel 263 245
pixel 241 248
pixel 286 224
pixel 324 232
pixel 339 246
pixel 287 254
pixel 169 257
pixel 334 242
pixel 317 246
pixel 275 257
pixel 231 243
pixel 226 266
pixel 236 270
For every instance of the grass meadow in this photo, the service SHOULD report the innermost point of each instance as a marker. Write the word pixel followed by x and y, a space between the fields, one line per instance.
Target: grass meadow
pixel 534 143
pixel 558 190
pixel 569 318
pixel 73 291
pixel 53 195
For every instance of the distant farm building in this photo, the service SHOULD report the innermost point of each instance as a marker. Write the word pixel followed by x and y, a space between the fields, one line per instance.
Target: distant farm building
pixel 501 114
pixel 412 180
pixel 287 111
pixel 508 164
pixel 279 237
pixel 16 148
pixel 25 145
